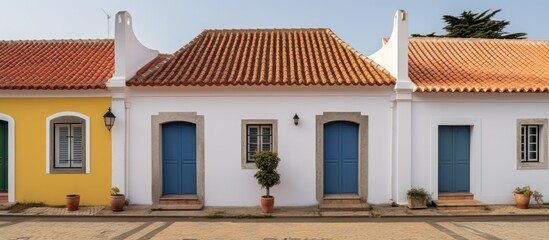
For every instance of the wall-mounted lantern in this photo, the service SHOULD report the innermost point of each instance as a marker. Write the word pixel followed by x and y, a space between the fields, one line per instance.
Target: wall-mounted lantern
pixel 296 119
pixel 109 119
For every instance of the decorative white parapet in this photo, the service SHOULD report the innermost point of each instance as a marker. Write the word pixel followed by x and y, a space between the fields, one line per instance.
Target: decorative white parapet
pixel 129 56
pixel 393 56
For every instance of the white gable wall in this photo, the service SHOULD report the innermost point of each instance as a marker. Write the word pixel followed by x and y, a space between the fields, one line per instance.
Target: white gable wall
pixel 494 173
pixel 226 183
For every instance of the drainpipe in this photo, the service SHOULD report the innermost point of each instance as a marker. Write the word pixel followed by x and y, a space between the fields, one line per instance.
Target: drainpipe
pixel 391 147
pixel 127 151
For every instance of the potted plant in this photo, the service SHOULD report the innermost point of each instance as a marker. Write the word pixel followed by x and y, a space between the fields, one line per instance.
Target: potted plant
pixel 418 198
pixel 73 201
pixel 267 176
pixel 523 195
pixel 117 200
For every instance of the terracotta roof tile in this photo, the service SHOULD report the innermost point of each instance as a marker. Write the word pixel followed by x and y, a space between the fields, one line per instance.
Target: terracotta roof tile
pixel 264 57
pixel 479 65
pixel 56 64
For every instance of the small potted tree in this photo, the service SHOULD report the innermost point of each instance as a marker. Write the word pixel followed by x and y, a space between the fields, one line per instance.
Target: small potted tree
pixel 117 200
pixel 73 201
pixel 418 198
pixel 523 195
pixel 267 176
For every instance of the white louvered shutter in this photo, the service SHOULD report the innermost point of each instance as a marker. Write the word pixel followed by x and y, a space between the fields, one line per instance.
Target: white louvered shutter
pixel 266 138
pixel 253 141
pixel 62 145
pixel 76 145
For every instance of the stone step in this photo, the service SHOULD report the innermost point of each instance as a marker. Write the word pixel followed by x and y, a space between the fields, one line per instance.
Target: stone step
pixel 455 196
pixel 456 206
pixel 344 207
pixel 178 200
pixel 3 197
pixel 341 198
pixel 189 207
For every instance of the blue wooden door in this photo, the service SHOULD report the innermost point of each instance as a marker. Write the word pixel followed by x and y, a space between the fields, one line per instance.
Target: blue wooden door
pixel 179 158
pixel 453 158
pixel 340 158
pixel 3 156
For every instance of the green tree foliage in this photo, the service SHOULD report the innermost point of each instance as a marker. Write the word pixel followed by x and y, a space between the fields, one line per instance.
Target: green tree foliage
pixel 475 25
pixel 267 176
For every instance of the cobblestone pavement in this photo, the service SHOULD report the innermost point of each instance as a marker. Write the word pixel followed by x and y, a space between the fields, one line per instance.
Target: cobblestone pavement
pixel 519 227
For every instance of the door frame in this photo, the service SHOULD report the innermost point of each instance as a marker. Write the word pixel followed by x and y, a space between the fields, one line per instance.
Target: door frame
pixel 11 156
pixel 156 127
pixel 362 121
pixel 475 152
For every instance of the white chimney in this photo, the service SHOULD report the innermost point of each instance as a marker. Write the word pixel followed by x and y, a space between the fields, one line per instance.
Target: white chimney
pixel 393 56
pixel 129 54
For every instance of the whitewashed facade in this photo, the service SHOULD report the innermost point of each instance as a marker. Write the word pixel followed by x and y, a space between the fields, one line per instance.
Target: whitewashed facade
pixel 402 133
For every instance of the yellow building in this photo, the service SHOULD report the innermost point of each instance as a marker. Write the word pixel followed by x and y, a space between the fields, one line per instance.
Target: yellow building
pixel 53 140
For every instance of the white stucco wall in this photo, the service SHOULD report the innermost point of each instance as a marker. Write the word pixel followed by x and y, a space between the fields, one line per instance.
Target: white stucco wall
pixel 223 108
pixel 494 173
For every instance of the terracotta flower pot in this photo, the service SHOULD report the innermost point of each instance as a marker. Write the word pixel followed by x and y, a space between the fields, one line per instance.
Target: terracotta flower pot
pixel 267 204
pixel 117 202
pixel 417 203
pixel 73 201
pixel 522 200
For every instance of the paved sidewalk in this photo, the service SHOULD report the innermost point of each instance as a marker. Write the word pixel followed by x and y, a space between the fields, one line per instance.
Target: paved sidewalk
pixel 280 212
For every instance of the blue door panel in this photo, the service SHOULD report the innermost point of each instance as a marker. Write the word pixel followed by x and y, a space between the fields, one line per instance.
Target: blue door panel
pixel 462 178
pixel 331 171
pixel 349 180
pixel 340 158
pixel 170 185
pixel 179 158
pixel 189 179
pixel 454 158
pixel 445 178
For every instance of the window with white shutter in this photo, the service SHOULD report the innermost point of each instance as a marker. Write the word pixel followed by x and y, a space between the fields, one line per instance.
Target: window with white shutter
pixel 257 135
pixel 531 143
pixel 68 145
pixel 259 139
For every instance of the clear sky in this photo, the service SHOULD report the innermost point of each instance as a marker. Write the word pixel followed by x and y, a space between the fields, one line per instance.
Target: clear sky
pixel 167 25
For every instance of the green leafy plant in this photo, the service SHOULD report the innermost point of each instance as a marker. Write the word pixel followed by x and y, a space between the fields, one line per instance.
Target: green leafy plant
pixel 267 176
pixel 538 197
pixel 115 191
pixel 526 191
pixel 419 193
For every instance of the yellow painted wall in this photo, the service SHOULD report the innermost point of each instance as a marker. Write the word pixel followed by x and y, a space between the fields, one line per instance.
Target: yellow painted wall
pixel 31 181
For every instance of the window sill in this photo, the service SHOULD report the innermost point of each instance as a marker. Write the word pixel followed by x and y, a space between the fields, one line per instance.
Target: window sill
pixel 68 171
pixel 248 165
pixel 531 165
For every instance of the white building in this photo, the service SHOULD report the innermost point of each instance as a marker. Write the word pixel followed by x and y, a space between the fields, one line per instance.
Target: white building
pixel 368 127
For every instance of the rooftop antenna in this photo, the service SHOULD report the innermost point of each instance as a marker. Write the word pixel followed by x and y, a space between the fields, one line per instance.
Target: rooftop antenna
pixel 108 15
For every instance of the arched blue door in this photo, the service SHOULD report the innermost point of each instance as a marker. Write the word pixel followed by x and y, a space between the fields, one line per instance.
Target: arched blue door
pixel 178 158
pixel 340 158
